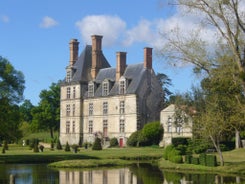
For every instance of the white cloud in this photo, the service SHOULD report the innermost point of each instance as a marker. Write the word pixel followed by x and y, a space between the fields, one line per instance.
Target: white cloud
pixel 48 22
pixel 111 27
pixel 4 18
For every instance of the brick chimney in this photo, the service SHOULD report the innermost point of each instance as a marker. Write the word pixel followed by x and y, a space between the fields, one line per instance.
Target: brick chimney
pixel 148 58
pixel 96 55
pixel 73 51
pixel 121 64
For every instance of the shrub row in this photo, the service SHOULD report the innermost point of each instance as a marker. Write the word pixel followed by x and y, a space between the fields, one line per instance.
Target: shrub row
pixel 172 154
pixel 203 159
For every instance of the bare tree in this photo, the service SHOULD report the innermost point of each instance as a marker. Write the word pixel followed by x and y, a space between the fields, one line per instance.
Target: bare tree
pixel 225 18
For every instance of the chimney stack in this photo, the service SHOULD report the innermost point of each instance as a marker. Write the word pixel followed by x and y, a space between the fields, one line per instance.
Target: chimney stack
pixel 148 58
pixel 73 51
pixel 96 55
pixel 121 64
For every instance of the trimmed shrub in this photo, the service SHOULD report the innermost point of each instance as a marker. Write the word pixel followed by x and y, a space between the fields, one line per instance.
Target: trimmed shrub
pixel 58 145
pixel 167 151
pixel 211 160
pixel 67 147
pixel 3 150
pixel 41 147
pixel 75 148
pixel 180 141
pixel 199 145
pixel 202 159
pixel 97 144
pixel 133 139
pixel 5 145
pixel 114 142
pixel 182 149
pixel 188 159
pixel 174 156
pixel 195 160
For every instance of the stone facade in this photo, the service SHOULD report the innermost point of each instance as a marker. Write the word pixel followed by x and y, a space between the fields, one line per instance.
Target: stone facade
pixel 175 125
pixel 98 100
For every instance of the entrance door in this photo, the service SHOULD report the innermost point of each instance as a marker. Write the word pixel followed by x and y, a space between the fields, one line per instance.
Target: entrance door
pixel 121 142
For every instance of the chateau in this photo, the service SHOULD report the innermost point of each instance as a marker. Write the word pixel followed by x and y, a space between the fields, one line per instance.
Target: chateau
pixel 97 99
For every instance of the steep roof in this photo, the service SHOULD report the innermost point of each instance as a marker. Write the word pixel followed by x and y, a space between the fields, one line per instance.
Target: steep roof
pixel 83 65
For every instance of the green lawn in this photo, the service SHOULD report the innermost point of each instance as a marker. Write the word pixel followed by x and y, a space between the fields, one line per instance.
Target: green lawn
pixel 234 160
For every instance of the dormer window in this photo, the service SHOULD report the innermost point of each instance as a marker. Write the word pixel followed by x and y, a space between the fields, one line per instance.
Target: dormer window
pixel 68 76
pixel 105 88
pixel 122 86
pixel 90 89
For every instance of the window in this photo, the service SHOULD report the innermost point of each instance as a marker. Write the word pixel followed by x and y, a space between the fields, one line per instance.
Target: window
pixel 68 110
pixel 121 126
pixel 122 107
pixel 105 88
pixel 91 109
pixel 169 124
pixel 73 126
pixel 90 126
pixel 74 92
pixel 68 76
pixel 73 109
pixel 105 128
pixel 91 90
pixel 68 93
pixel 68 127
pixel 122 87
pixel 179 127
pixel 105 108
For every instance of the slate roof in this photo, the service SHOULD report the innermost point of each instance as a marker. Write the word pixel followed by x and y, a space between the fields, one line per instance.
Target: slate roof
pixel 83 65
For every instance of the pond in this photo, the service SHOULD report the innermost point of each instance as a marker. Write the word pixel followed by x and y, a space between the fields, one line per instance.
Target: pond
pixel 135 174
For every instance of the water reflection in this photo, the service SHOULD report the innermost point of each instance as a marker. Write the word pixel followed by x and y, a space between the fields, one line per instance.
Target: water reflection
pixel 135 174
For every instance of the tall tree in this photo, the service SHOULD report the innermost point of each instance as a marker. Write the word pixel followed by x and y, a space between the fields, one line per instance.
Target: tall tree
pixel 11 93
pixel 165 82
pixel 46 115
pixel 226 19
pixel 25 110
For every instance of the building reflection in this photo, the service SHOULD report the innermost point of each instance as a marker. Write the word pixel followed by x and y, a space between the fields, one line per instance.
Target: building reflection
pixel 113 176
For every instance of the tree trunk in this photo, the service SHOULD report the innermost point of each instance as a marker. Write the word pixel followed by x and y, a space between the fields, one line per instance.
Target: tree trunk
pixel 238 139
pixel 51 132
pixel 217 147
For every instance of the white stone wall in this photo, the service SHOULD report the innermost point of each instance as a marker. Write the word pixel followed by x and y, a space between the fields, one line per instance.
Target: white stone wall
pixel 113 117
pixel 167 136
pixel 72 137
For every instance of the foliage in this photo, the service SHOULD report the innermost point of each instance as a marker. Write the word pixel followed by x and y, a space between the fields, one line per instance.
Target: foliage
pixel 5 145
pixel 25 110
pixel 114 142
pixel 46 115
pixel 3 150
pixel 199 145
pixel 167 151
pixel 67 147
pixel 133 139
pixel 165 82
pixel 172 154
pixel 97 144
pixel 41 147
pixel 152 134
pixel 75 148
pixel 180 140
pixel 58 145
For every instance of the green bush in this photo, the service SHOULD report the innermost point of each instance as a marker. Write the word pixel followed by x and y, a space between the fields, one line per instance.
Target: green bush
pixel 97 144
pixel 67 147
pixel 195 160
pixel 58 145
pixel 211 160
pixel 188 159
pixel 174 156
pixel 167 151
pixel 180 141
pixel 5 145
pixel 152 132
pixel 41 147
pixel 3 150
pixel 133 139
pixel 202 159
pixel 199 145
pixel 114 142
pixel 75 148
pixel 182 149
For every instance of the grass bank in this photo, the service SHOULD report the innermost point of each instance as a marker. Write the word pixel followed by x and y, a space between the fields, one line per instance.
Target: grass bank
pixel 234 164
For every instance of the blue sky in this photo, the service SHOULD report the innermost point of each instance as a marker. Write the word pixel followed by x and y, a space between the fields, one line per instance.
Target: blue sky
pixel 34 36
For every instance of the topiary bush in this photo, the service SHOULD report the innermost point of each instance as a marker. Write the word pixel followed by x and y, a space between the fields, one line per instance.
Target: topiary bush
pixel 75 148
pixel 133 139
pixel 114 142
pixel 67 147
pixel 97 144
pixel 167 151
pixel 58 145
pixel 174 156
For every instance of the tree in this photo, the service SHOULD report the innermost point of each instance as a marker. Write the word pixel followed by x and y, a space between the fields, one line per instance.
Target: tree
pixel 46 115
pixel 11 93
pixel 226 19
pixel 165 82
pixel 25 110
